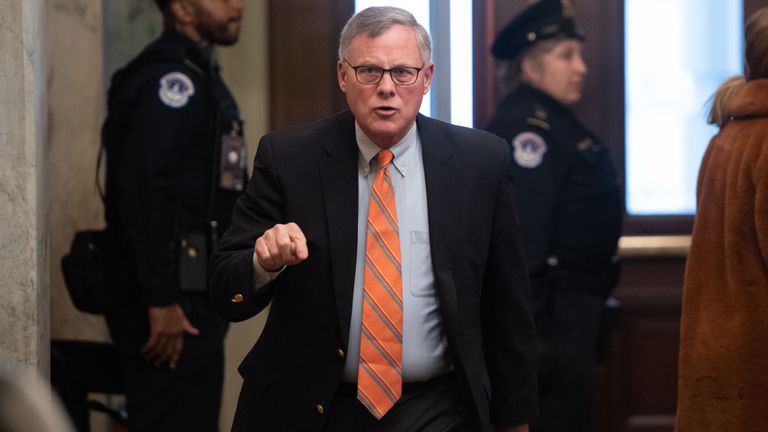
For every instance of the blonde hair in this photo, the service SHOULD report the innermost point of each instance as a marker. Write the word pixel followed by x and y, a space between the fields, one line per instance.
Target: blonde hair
pixel 717 114
pixel 756 64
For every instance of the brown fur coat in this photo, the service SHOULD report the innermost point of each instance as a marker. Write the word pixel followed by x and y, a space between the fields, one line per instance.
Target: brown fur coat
pixel 723 377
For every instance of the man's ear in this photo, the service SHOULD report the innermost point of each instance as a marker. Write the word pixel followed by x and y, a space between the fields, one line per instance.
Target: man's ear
pixel 183 11
pixel 428 72
pixel 341 74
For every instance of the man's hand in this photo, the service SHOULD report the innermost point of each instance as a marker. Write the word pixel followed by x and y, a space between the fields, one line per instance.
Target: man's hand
pixel 521 428
pixel 280 246
pixel 167 325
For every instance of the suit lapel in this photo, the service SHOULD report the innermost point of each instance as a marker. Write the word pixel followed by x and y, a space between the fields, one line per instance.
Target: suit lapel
pixel 442 175
pixel 339 189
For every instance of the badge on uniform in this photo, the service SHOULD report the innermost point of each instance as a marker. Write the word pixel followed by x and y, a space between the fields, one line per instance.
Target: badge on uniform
pixel 175 89
pixel 529 149
pixel 232 159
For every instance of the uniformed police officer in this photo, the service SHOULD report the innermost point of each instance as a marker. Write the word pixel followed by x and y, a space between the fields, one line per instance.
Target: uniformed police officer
pixel 570 208
pixel 175 165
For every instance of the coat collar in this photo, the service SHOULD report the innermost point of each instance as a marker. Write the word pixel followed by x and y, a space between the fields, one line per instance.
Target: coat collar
pixel 749 100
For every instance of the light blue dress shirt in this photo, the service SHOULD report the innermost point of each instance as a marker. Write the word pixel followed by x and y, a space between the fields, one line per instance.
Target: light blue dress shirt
pixel 424 341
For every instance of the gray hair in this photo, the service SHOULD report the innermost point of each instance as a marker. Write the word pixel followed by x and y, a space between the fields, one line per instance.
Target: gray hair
pixel 376 20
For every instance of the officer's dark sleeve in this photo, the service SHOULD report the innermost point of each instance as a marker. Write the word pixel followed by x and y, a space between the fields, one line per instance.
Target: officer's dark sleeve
pixel 259 208
pixel 158 136
pixel 537 189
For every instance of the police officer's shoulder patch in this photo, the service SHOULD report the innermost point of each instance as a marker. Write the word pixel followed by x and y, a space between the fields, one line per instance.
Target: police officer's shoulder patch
pixel 175 89
pixel 529 149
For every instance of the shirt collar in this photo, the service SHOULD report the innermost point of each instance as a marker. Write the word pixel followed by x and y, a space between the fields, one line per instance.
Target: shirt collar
pixel 367 149
pixel 201 54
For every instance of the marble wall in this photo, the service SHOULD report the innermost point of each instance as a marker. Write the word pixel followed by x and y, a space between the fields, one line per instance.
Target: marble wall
pixel 73 49
pixel 128 26
pixel 74 62
pixel 245 69
pixel 24 284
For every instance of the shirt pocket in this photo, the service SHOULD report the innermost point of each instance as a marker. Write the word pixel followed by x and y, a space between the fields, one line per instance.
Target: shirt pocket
pixel 422 280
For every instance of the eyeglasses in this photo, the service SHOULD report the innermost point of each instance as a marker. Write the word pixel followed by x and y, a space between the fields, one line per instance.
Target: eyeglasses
pixel 370 74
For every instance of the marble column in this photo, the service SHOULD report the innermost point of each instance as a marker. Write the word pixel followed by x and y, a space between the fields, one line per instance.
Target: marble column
pixel 24 285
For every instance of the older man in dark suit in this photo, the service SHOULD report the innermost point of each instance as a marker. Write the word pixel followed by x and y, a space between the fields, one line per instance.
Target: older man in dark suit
pixel 389 246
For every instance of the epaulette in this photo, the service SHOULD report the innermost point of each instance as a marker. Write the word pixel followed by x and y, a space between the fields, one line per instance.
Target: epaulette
pixel 539 118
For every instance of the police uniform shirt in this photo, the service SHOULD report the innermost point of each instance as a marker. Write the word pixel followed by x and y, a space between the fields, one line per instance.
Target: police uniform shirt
pixel 167 111
pixel 570 209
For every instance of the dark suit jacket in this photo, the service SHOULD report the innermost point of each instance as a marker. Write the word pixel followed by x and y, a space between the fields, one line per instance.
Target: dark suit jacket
pixel 308 175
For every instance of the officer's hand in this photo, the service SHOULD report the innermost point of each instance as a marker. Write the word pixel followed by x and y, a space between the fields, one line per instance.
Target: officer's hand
pixel 167 325
pixel 280 245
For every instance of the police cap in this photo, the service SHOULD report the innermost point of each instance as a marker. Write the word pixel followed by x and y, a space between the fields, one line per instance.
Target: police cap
pixel 545 19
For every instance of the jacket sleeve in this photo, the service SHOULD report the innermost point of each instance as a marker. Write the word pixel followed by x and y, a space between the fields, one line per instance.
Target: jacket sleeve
pixel 233 293
pixel 509 335
pixel 534 160
pixel 159 136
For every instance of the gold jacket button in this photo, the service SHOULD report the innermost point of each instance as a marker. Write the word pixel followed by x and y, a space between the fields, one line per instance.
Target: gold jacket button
pixel 340 352
pixel 320 409
pixel 238 298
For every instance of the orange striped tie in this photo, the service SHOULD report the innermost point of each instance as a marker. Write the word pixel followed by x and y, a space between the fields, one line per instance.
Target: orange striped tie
pixel 379 378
